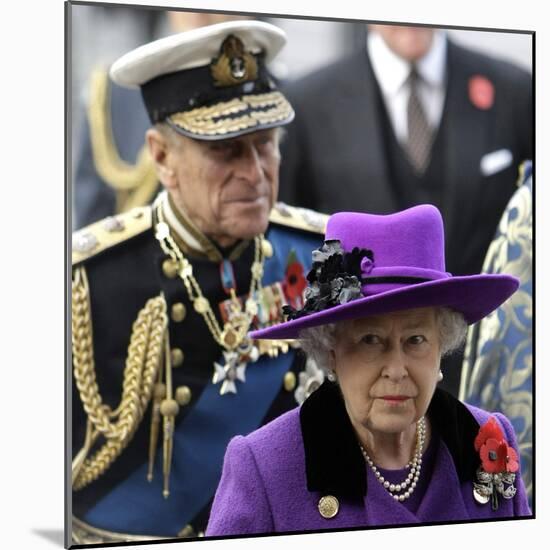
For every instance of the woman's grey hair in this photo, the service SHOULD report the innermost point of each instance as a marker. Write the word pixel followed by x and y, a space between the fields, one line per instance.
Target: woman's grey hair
pixel 318 341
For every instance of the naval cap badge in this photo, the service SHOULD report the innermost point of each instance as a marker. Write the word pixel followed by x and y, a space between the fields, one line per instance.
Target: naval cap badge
pixel 234 65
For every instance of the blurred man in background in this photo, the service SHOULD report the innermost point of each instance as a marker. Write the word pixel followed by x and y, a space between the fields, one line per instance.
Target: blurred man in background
pixel 413 118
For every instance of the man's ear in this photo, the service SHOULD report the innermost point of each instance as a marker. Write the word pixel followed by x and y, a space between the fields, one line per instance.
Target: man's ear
pixel 159 148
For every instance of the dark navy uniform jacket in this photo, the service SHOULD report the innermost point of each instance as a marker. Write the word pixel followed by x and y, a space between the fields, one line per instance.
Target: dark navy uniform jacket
pixel 125 270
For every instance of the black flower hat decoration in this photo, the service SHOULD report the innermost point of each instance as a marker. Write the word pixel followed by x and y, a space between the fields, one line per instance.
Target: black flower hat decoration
pixel 335 278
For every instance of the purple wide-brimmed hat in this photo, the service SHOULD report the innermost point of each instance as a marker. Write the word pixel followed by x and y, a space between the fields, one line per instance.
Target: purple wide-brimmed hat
pixel 374 264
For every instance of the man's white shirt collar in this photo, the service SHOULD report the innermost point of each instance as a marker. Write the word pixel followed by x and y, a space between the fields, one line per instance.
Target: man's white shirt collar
pixel 392 72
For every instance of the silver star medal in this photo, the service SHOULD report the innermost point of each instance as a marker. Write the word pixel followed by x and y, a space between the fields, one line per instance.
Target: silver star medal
pixel 232 370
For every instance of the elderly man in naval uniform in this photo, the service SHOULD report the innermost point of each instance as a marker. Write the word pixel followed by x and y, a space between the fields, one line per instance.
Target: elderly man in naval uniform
pixel 163 296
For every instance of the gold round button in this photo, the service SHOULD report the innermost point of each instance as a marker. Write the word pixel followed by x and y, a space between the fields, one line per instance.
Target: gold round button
pixel 328 506
pixel 201 304
pixel 177 357
pixel 178 312
pixel 289 381
pixel 183 395
pixel 267 248
pixel 170 268
pixel 169 407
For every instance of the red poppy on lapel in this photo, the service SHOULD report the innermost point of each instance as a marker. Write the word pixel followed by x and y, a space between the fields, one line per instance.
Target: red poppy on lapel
pixel 489 430
pixel 481 91
pixel 499 462
pixel 497 457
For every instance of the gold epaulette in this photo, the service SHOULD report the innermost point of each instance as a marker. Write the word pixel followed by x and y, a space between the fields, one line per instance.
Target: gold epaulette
pixel 99 236
pixel 299 218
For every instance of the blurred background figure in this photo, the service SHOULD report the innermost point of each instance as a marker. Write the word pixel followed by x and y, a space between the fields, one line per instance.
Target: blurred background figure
pixel 113 168
pixel 498 364
pixel 412 118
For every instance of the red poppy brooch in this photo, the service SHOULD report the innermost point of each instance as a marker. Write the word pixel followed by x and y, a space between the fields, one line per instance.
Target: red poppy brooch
pixel 295 282
pixel 499 462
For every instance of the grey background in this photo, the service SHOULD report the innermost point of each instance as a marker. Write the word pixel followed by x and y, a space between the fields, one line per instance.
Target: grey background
pixel 100 34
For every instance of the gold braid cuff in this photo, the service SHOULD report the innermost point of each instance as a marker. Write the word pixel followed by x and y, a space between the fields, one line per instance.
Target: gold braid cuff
pixel 135 184
pixel 84 533
pixel 142 365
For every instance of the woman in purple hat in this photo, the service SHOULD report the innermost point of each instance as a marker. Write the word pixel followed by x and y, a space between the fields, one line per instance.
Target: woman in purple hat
pixel 378 443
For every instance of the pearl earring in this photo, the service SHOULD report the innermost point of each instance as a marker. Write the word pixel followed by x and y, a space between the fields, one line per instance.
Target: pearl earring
pixel 440 376
pixel 331 375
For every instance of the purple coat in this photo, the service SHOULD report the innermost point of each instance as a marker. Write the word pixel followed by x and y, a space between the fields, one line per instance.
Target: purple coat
pixel 273 478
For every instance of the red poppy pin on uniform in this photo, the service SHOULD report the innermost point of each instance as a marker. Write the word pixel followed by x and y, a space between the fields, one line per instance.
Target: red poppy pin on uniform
pixel 295 282
pixel 481 91
pixel 499 464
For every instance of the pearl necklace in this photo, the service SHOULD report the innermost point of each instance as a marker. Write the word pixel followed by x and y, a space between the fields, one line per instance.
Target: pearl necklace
pixel 415 466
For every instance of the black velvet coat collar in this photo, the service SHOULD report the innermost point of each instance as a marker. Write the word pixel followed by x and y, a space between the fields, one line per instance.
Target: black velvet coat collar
pixel 334 463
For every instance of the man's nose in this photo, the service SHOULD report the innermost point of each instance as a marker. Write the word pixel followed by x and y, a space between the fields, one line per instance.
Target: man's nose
pixel 250 165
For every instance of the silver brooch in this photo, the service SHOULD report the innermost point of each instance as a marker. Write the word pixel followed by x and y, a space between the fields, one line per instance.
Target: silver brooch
pixel 492 485
pixel 234 369
pixel 84 242
pixel 308 381
pixel 113 224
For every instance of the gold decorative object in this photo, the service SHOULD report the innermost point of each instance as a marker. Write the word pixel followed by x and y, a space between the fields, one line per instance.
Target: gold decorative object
pixel 178 312
pixel 234 65
pixel 232 337
pixel 328 506
pixel 220 119
pixel 170 268
pixel 116 427
pixel 201 305
pixel 177 357
pixel 84 533
pixel 289 381
pixel 267 248
pixel 169 408
pixel 159 393
pixel 183 395
pixel 134 184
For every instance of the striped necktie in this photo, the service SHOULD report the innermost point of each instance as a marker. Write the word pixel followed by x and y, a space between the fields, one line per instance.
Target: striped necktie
pixel 420 135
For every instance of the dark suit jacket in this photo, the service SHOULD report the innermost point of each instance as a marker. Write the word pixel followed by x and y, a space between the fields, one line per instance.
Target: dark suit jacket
pixel 334 153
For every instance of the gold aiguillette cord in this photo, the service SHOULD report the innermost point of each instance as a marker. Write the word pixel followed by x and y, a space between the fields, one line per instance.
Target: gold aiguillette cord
pixel 159 393
pixel 169 409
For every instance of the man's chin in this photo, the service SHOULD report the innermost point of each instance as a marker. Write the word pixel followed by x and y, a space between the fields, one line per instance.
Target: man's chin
pixel 247 220
pixel 241 230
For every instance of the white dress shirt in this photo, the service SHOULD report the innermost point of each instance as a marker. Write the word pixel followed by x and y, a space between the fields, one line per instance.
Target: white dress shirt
pixel 392 72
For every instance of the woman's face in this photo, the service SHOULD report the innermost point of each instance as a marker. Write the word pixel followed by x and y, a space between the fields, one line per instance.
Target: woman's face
pixel 387 368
